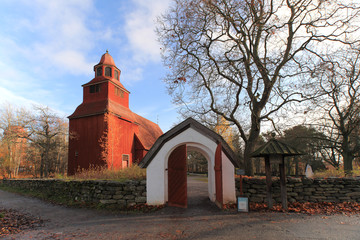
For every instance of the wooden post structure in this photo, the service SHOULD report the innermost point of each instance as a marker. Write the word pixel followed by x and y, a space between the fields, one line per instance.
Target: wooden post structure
pixel 283 184
pixel 268 182
pixel 241 186
pixel 275 150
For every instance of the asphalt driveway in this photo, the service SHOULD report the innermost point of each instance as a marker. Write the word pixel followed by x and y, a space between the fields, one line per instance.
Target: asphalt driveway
pixel 201 220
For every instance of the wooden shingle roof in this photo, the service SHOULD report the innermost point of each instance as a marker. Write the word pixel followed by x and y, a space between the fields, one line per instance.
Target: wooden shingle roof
pixel 148 131
pixel 275 147
pixel 188 123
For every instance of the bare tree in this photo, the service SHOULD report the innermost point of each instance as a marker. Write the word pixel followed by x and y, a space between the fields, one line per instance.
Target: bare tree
pixel 43 128
pixel 61 150
pixel 196 162
pixel 13 145
pixel 34 140
pixel 339 78
pixel 246 59
pixel 312 142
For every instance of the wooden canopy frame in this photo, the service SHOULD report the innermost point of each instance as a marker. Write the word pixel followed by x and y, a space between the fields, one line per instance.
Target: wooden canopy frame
pixel 274 150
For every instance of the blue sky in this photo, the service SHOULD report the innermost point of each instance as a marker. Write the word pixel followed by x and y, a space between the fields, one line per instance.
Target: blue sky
pixel 48 50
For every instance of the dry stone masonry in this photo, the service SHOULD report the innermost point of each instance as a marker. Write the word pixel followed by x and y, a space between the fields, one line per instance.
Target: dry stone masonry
pixel 131 192
pixel 121 194
pixel 303 189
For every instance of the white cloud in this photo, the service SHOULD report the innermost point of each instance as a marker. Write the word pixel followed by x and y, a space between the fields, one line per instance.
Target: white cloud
pixel 48 48
pixel 14 99
pixel 14 79
pixel 58 34
pixel 40 42
pixel 73 61
pixel 140 26
pixel 131 74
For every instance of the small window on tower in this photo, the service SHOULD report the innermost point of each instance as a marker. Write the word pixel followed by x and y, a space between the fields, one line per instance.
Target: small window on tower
pixel 99 71
pixel 95 88
pixel 116 73
pixel 108 71
pixel 119 92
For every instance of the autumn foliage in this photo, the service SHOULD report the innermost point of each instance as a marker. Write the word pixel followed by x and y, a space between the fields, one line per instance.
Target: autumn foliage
pixel 103 173
pixel 321 208
pixel 12 222
pixel 334 172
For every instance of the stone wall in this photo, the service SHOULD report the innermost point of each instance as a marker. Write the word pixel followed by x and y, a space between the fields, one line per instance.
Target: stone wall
pixel 129 193
pixel 121 194
pixel 303 190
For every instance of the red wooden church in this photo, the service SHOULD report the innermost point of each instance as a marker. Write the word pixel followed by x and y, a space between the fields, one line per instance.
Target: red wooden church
pixel 103 130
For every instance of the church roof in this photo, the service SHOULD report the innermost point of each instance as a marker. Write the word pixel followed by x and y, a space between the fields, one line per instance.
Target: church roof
pixel 188 123
pixel 89 109
pixel 107 59
pixel 104 79
pixel 148 131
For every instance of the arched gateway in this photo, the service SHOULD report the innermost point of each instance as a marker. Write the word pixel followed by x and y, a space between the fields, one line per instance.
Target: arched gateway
pixel 166 168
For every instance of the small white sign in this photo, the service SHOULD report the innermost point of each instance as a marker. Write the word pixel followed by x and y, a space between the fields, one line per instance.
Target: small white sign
pixel 243 204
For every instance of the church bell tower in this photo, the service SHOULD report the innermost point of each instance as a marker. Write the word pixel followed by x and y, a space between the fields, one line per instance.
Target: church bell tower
pixel 103 131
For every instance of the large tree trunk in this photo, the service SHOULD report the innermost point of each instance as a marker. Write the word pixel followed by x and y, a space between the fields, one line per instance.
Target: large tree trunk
pixel 348 159
pixel 347 155
pixel 248 163
pixel 251 141
pixel 249 149
pixel 42 166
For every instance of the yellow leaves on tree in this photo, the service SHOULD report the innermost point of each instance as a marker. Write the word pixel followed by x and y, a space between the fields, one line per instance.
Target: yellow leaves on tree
pixel 224 129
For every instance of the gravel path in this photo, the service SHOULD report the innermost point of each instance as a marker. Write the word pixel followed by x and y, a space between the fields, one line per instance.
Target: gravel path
pixel 201 220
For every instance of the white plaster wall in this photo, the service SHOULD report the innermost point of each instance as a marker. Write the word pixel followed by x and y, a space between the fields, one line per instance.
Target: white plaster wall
pixel 156 171
pixel 157 175
pixel 155 189
pixel 228 179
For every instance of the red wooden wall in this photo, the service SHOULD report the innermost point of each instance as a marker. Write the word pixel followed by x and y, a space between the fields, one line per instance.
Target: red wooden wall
pixel 121 140
pixel 124 100
pixel 84 148
pixel 97 96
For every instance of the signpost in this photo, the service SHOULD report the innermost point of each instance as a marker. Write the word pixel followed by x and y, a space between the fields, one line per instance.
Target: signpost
pixel 242 202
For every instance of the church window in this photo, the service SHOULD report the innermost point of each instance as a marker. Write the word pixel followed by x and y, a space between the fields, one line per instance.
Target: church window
pixel 95 88
pixel 125 160
pixel 108 71
pixel 119 92
pixel 116 73
pixel 99 71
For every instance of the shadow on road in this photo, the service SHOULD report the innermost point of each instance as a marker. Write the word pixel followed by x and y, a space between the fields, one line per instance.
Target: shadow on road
pixel 198 200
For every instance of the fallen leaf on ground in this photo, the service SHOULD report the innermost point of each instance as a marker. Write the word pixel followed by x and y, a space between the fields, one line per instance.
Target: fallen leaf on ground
pixel 12 222
pixel 322 208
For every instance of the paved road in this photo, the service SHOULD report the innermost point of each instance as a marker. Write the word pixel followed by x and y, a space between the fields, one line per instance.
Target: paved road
pixel 201 220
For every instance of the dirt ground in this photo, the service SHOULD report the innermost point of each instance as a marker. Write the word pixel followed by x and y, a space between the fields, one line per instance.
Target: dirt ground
pixel 201 220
